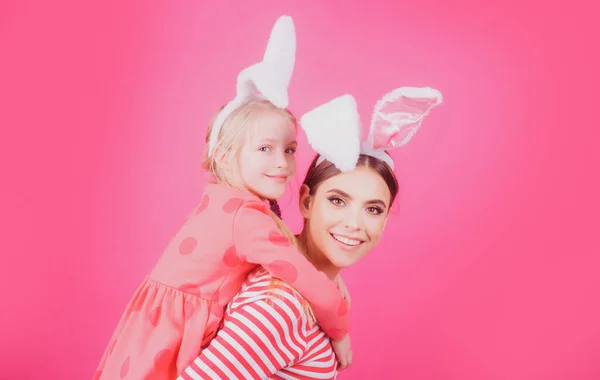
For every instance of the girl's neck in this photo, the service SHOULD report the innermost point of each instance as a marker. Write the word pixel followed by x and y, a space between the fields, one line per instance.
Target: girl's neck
pixel 315 256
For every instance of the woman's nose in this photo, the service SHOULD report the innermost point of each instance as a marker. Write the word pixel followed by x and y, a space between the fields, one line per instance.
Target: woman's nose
pixel 352 220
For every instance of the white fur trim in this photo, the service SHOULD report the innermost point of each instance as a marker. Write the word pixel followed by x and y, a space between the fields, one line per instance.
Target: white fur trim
pixel 333 130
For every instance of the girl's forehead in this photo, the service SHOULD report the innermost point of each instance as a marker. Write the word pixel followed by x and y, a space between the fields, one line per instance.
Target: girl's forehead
pixel 272 126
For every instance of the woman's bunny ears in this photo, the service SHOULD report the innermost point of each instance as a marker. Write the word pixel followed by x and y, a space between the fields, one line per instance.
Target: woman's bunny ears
pixel 268 79
pixel 334 129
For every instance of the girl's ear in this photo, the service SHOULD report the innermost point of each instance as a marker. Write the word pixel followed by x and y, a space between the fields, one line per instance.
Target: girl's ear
pixel 222 157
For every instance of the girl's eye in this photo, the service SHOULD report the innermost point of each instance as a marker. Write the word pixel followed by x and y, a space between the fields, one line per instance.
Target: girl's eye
pixel 264 149
pixel 374 210
pixel 336 201
pixel 290 150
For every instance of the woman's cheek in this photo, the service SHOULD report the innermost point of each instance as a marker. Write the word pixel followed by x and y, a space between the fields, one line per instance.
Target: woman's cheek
pixel 376 229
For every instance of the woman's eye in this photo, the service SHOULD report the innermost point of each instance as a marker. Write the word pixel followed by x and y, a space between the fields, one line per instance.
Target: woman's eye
pixel 374 210
pixel 336 201
pixel 290 150
pixel 264 149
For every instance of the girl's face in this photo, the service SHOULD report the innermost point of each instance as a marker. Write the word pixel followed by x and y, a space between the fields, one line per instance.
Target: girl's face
pixel 347 215
pixel 267 160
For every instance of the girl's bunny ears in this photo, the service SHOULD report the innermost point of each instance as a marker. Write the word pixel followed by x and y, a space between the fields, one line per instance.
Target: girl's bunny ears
pixel 268 79
pixel 334 130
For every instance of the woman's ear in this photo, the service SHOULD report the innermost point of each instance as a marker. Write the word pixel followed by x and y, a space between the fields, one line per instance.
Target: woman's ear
pixel 305 201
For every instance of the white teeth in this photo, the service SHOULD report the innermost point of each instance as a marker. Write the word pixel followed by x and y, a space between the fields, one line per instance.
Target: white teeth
pixel 345 240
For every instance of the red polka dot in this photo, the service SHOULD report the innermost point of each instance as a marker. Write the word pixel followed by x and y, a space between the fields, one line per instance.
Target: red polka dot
pixel 258 207
pixel 125 367
pixel 112 347
pixel 278 239
pixel 188 310
pixel 283 270
pixel 203 204
pixel 163 360
pixel 343 309
pixel 97 375
pixel 231 258
pixel 232 205
pixel 154 316
pixel 187 245
pixel 190 289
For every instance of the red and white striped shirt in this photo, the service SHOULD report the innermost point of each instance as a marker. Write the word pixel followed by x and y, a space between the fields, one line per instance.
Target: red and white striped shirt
pixel 266 334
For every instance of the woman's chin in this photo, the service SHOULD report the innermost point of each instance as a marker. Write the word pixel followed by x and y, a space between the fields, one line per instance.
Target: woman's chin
pixel 341 260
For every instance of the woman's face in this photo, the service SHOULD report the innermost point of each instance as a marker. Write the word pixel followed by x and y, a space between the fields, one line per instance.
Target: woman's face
pixel 347 214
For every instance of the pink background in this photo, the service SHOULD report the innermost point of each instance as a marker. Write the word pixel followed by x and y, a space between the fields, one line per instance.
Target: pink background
pixel 489 268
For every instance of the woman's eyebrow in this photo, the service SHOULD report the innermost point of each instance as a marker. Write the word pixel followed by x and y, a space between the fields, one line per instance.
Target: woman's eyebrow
pixel 348 196
pixel 377 201
pixel 340 192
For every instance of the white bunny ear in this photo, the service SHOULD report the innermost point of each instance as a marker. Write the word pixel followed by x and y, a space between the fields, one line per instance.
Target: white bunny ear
pixel 268 79
pixel 281 49
pixel 333 130
pixel 398 116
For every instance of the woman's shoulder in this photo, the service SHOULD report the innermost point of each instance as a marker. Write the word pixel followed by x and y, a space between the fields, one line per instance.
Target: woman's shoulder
pixel 260 284
pixel 269 295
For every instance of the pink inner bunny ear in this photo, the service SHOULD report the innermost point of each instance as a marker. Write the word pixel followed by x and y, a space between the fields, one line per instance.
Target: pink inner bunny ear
pixel 399 114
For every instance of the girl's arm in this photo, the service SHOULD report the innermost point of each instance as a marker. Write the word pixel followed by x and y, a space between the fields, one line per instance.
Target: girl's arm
pixel 258 240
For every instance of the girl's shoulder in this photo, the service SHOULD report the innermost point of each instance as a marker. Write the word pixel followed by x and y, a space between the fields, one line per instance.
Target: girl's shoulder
pixel 223 198
pixel 222 191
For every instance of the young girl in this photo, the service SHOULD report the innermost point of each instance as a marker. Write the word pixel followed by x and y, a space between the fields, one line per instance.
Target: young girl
pixel 178 308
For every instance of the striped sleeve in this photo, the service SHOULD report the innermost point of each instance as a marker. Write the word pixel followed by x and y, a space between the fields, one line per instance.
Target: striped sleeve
pixel 259 338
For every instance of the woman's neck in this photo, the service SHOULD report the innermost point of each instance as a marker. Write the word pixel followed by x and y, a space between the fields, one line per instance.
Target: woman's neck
pixel 315 256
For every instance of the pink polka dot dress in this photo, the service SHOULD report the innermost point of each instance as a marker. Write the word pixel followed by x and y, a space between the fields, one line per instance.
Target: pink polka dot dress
pixel 179 307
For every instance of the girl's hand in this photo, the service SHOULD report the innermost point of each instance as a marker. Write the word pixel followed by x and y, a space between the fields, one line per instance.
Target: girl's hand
pixel 343 352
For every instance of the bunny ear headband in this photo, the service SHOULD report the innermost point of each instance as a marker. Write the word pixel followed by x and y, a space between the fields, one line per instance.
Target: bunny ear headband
pixel 268 79
pixel 334 129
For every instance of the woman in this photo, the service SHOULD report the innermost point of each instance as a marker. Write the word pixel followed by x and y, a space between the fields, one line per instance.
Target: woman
pixel 268 330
